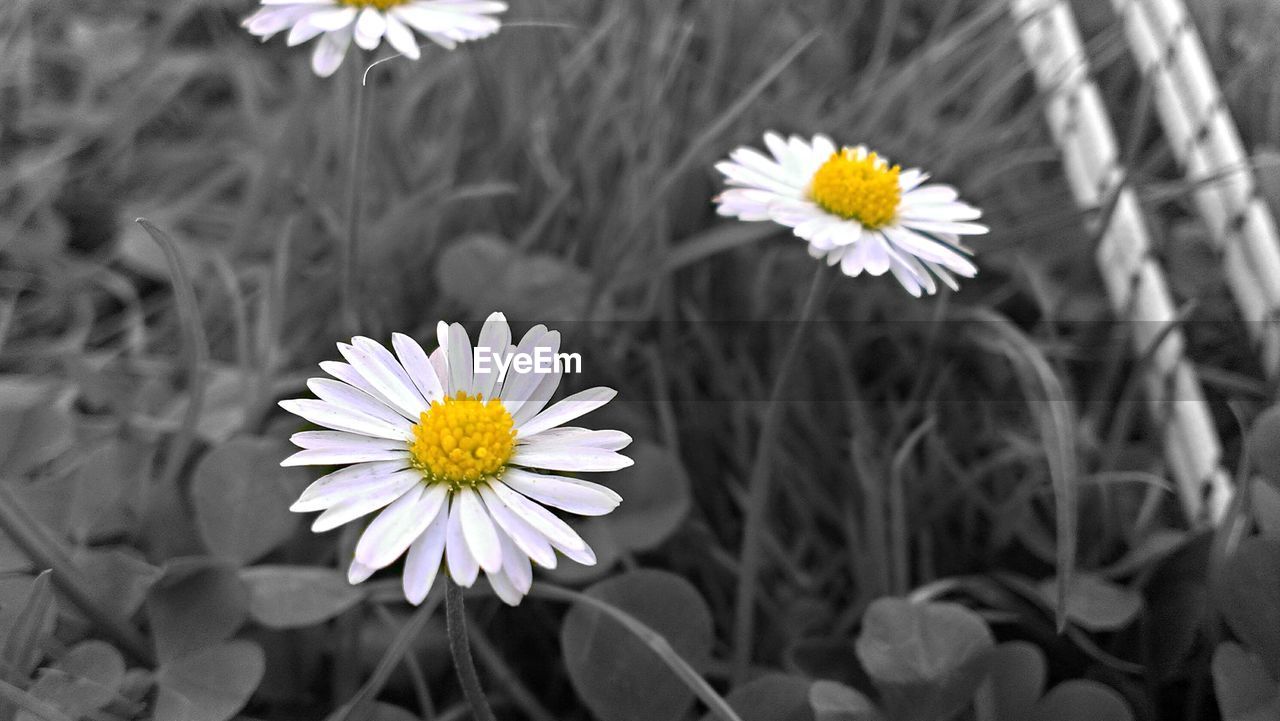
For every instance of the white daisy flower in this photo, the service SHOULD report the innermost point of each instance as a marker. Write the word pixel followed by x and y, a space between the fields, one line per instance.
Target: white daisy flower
pixel 338 22
pixel 854 209
pixel 460 464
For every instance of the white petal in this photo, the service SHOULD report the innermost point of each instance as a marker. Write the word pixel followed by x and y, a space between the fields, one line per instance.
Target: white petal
pixel 568 494
pixel 340 441
pixel 344 419
pixel 335 19
pixel 462 565
pixel 330 457
pixel 580 460
pixel 269 21
pixel 503 588
pixel 519 385
pixel 585 555
pixel 417 365
pixel 345 373
pixel 515 564
pixel 329 52
pixel 547 381
pixel 302 31
pixel 399 525
pixel 568 436
pixel 532 543
pixel 359 573
pixel 364 503
pixel 877 254
pixel 423 562
pixel 401 38
pixel 345 396
pixel 352 482
pixel 478 530
pixel 369 28
pixel 556 531
pixel 575 406
pixel 381 369
pixel 941 226
pixel 460 362
pixel 495 337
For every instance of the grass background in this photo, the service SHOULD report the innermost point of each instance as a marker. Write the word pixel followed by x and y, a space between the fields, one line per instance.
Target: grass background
pixel 562 172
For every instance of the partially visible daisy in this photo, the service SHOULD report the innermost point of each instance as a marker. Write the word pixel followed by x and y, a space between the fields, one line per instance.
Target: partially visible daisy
pixel 445 22
pixel 460 464
pixel 855 209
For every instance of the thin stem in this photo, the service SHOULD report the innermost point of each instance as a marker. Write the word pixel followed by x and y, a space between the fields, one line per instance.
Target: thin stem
pixel 759 483
pixel 45 551
pixel 350 256
pixel 460 646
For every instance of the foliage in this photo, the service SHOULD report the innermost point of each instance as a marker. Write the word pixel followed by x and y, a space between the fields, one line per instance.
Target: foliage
pixel 561 172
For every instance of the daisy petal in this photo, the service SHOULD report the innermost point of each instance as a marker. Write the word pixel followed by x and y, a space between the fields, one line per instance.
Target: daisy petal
pixel 352 482
pixel 557 532
pixel 579 460
pixel 462 565
pixel 417 365
pixel 329 52
pixel 364 503
pixel 399 525
pixel 495 337
pixel 369 28
pixel 575 406
pixel 478 530
pixel 503 588
pixel 568 494
pixel 344 419
pixel 423 562
pixel 532 543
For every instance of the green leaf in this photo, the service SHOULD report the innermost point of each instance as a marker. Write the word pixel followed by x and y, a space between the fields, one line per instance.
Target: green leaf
pixel 614 673
pixel 925 658
pixel 33 428
pixel 29 630
pixel 83 681
pixel 1095 603
pixel 117 579
pixel 1077 700
pixel 833 701
pixel 484 272
pixel 1246 692
pixel 656 497
pixel 209 685
pixel 242 498
pixel 196 604
pixel 1266 507
pixel 1248 595
pixel 1017 675
pixel 297 596
pixel 1264 444
pixel 772 697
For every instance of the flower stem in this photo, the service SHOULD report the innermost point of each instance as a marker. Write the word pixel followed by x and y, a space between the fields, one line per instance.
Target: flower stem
pixel 759 483
pixel 460 647
pixel 349 257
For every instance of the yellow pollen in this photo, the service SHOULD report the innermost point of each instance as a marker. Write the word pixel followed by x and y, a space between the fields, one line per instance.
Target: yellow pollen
pixel 379 4
pixel 864 190
pixel 462 440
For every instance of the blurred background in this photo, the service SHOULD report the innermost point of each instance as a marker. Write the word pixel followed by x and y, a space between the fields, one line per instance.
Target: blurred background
pixel 562 172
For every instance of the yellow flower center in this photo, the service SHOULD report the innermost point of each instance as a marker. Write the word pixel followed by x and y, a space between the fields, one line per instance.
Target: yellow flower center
pixel 864 190
pixel 379 4
pixel 463 440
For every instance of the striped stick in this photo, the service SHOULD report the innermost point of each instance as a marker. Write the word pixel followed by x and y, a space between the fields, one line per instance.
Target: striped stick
pixel 1206 143
pixel 1135 283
